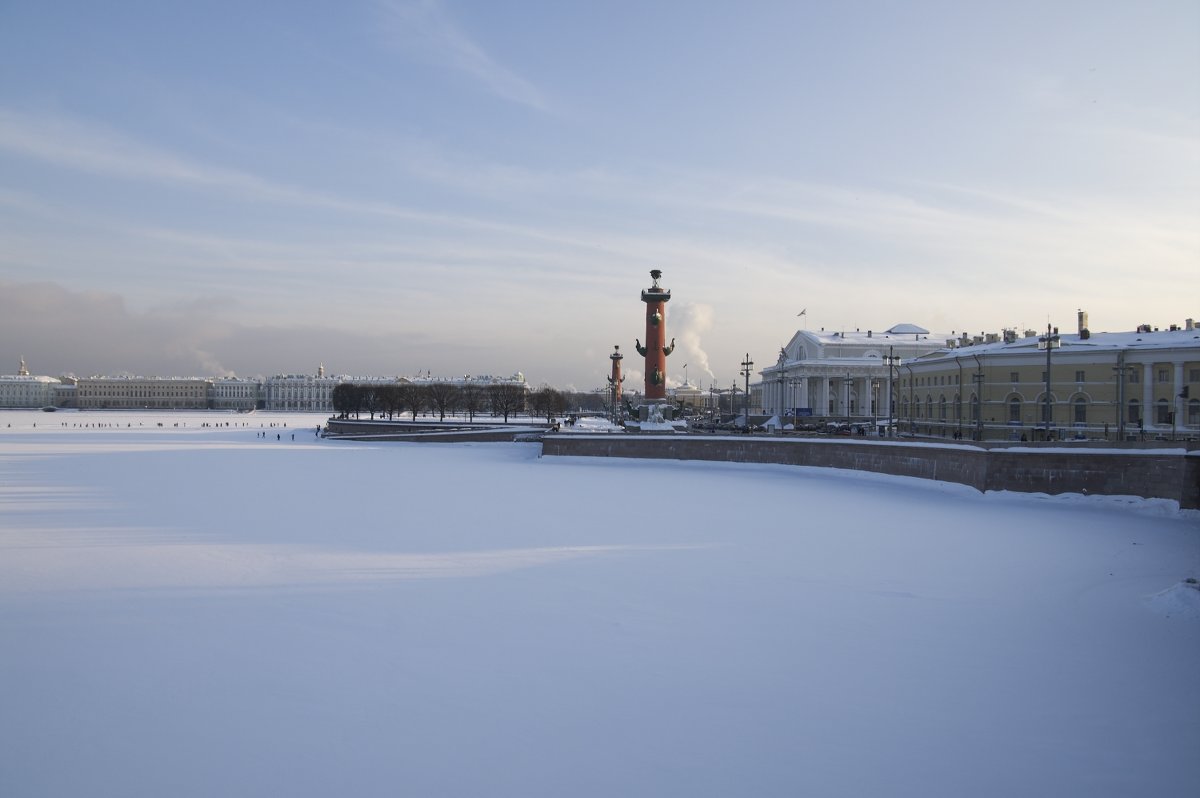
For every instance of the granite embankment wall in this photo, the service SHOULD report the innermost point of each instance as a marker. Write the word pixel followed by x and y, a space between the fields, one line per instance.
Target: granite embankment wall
pixel 430 431
pixel 1151 473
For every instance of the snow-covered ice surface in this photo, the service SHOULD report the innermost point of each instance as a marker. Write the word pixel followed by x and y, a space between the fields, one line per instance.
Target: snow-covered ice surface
pixel 197 611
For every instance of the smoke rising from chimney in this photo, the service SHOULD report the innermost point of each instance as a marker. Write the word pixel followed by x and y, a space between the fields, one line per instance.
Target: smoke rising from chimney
pixel 687 323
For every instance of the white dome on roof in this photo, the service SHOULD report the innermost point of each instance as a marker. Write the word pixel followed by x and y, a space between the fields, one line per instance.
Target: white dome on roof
pixel 909 329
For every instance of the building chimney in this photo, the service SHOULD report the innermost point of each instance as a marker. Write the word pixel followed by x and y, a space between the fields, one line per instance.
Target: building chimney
pixel 1189 324
pixel 1083 321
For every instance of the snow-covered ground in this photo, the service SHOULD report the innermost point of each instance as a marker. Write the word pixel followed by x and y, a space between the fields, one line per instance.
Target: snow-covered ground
pixel 197 611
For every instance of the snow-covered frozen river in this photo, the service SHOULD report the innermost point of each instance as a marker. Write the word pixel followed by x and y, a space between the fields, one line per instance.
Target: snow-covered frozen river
pixel 194 609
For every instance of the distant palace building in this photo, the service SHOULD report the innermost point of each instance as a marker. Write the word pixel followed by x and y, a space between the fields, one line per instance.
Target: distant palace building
pixel 305 393
pixel 132 393
pixel 309 393
pixel 235 393
pixel 25 390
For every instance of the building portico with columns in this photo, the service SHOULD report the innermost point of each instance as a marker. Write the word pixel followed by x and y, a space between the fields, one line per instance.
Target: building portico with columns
pixel 842 375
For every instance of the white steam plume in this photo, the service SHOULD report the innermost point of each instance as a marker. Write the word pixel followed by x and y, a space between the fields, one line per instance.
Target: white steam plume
pixel 686 324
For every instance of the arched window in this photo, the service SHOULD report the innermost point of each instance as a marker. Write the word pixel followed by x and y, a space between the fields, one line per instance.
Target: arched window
pixel 1135 411
pixel 942 407
pixel 957 408
pixel 1193 413
pixel 1080 406
pixel 974 407
pixel 1162 414
pixel 929 407
pixel 1014 410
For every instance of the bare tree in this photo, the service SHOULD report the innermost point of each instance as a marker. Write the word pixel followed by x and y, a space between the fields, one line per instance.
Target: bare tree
pixel 506 399
pixel 370 399
pixel 585 400
pixel 472 398
pixel 391 400
pixel 547 402
pixel 414 399
pixel 443 397
pixel 347 399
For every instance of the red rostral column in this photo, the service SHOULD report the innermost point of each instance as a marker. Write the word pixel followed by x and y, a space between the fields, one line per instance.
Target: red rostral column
pixel 617 378
pixel 656 348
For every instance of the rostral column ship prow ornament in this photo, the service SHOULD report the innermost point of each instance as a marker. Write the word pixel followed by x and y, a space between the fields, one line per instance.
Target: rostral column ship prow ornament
pixel 657 413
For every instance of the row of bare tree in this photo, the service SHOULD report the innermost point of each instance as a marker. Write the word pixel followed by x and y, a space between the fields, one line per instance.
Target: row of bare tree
pixel 445 399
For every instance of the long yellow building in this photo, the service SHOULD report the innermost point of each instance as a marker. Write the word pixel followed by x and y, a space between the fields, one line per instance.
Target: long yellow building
pixel 1116 386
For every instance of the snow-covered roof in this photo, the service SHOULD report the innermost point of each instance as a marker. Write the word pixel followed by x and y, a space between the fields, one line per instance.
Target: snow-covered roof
pixel 907 329
pixel 1096 342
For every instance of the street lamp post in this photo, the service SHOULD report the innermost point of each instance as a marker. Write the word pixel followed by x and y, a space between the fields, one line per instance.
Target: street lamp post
pixel 892 362
pixel 978 378
pixel 782 385
pixel 911 399
pixel 875 404
pixel 1121 370
pixel 1050 341
pixel 847 397
pixel 745 372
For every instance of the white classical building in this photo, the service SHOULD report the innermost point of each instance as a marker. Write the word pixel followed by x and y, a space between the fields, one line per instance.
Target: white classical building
pixel 234 393
pixel 129 393
pixel 26 390
pixel 476 380
pixel 301 392
pixel 308 393
pixel 841 374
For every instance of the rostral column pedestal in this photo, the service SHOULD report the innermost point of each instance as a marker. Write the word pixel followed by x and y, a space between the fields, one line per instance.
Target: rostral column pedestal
pixel 655 351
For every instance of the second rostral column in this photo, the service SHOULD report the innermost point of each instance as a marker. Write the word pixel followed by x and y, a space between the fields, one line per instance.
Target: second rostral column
pixel 656 349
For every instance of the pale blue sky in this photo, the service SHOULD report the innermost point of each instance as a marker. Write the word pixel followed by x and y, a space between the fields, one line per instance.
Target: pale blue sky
pixel 388 187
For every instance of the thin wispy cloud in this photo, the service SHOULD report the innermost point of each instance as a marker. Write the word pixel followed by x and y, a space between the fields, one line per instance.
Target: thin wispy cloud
pixel 76 144
pixel 982 224
pixel 426 30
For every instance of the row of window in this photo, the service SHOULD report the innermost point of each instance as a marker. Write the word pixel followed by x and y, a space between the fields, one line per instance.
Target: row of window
pixel 1131 377
pixel 1079 410
pixel 89 393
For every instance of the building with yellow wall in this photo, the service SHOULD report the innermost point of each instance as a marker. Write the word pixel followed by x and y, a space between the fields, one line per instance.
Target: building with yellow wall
pixel 1115 386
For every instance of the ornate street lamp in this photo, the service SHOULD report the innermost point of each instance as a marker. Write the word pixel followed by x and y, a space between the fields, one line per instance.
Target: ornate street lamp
pixel 892 362
pixel 745 372
pixel 1050 341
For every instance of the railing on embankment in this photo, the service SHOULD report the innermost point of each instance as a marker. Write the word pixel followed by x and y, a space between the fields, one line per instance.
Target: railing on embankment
pixel 1172 473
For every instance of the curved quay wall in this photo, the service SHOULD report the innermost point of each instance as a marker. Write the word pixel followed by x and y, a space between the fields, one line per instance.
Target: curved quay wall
pixel 430 431
pixel 1172 473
